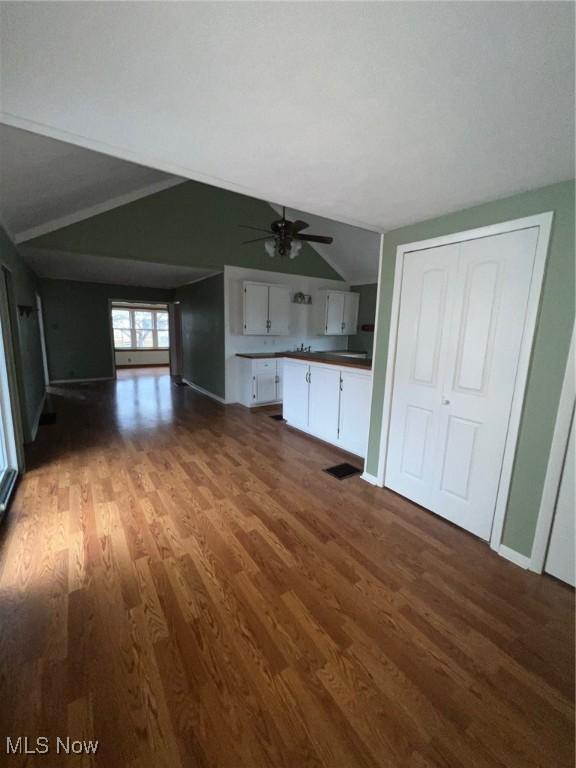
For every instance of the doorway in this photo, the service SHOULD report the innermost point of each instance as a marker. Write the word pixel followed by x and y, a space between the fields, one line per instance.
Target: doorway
pixel 463 318
pixel 10 459
pixel 140 333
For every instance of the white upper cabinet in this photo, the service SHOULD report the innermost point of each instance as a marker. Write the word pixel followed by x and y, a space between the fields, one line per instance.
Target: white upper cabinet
pixel 340 313
pixel 334 313
pixel 350 315
pixel 266 309
pixel 278 310
pixel 255 308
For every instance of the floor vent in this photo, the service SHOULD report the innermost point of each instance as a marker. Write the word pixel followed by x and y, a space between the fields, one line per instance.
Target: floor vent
pixel 341 471
pixel 277 417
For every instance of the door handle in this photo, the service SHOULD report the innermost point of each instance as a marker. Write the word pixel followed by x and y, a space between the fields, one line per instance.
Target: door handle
pixel 445 401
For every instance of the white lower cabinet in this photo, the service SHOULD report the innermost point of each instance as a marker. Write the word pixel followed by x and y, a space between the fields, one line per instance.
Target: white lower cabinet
pixel 261 381
pixel 295 407
pixel 354 411
pixel 324 385
pixel 328 402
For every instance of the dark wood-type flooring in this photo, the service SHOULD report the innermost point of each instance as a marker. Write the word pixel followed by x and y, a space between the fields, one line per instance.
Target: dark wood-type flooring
pixel 182 582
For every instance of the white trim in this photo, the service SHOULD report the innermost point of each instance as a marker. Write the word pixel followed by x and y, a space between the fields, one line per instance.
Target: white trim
pixel 514 557
pixel 81 381
pixel 42 339
pixel 36 422
pixel 204 391
pixel 366 476
pixel 94 210
pixel 199 279
pixel 372 479
pixel 175 169
pixel 556 459
pixel 544 222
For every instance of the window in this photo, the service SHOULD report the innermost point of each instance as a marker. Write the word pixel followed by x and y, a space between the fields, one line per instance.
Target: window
pixel 140 328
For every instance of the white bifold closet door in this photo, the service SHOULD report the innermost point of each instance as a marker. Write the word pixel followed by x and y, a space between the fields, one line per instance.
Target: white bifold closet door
pixel 462 314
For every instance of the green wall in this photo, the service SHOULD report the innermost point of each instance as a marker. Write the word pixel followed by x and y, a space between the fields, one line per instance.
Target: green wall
pixel 77 325
pixel 193 224
pixel 202 309
pixel 549 352
pixel 25 333
pixel 363 341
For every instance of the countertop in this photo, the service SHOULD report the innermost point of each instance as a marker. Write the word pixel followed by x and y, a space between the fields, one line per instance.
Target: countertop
pixel 331 357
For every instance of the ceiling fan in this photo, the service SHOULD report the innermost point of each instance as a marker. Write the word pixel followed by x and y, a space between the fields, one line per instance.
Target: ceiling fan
pixel 285 237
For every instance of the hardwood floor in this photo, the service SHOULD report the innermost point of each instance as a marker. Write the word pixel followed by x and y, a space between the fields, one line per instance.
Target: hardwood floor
pixel 182 582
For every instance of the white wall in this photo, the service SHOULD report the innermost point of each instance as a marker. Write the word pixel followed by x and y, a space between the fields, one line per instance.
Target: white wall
pixel 304 320
pixel 142 357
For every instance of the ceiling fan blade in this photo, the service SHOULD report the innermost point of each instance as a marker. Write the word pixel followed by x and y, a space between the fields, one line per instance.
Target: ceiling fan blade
pixel 256 229
pixel 298 225
pixel 257 240
pixel 315 239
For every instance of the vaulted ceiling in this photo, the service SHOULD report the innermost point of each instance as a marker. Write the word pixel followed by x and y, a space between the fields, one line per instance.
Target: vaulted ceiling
pixel 47 183
pixel 54 197
pixel 371 113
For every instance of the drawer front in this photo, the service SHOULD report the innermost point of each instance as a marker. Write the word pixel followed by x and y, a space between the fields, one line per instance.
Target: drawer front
pixel 264 365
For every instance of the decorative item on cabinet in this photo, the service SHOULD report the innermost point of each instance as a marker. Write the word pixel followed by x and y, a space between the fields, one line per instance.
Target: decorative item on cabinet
pixel 302 298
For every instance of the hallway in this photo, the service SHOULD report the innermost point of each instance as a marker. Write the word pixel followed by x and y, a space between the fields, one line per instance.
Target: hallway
pixel 180 581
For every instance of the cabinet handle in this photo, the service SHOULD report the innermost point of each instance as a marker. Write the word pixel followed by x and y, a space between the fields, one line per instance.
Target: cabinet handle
pixel 341 383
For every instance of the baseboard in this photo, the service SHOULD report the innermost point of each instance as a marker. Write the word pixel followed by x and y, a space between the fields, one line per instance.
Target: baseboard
pixel 204 391
pixel 372 479
pixel 81 381
pixel 515 557
pixel 36 423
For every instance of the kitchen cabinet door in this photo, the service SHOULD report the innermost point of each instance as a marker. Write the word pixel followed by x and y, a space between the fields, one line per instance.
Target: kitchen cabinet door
pixel 350 315
pixel 354 411
pixel 295 394
pixel 334 314
pixel 256 309
pixel 279 310
pixel 265 387
pixel 324 402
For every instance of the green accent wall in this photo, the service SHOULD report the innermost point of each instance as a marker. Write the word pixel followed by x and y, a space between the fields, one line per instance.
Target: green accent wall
pixel 363 341
pixel 202 312
pixel 193 224
pixel 25 333
pixel 77 325
pixel 549 352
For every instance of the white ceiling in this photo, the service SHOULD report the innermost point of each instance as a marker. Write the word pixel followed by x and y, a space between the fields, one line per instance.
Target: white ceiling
pixel 47 181
pixel 376 113
pixel 62 265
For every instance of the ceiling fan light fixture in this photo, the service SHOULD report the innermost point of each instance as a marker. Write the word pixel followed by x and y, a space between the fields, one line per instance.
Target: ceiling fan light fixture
pixel 295 248
pixel 270 246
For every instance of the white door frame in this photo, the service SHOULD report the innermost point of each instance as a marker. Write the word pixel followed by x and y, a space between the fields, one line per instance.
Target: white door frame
pixel 555 467
pixel 544 222
pixel 42 339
